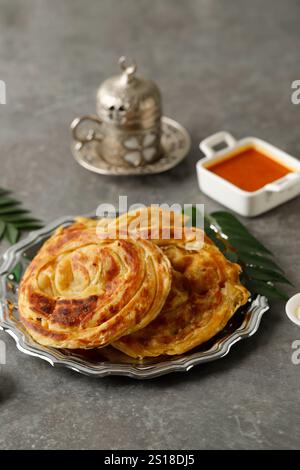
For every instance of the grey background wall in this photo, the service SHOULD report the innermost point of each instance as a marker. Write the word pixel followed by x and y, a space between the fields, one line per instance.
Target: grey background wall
pixel 220 65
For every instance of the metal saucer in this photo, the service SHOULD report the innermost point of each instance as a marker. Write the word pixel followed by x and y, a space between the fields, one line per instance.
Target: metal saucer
pixel 175 142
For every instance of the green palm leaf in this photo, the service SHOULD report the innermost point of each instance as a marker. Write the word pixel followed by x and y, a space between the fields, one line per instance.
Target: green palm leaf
pixel 17 218
pixel 255 259
pixel 11 233
pixel 2 228
pixel 238 232
pixel 17 272
pixel 8 201
pixel 261 273
pixel 28 225
pixel 4 192
pixel 14 218
pixel 263 288
pixel 12 210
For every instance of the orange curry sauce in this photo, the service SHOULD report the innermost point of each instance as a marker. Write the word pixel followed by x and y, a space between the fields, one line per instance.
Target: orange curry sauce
pixel 250 169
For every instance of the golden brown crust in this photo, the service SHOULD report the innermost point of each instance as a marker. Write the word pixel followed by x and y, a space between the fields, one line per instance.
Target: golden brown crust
pixel 152 223
pixel 81 291
pixel 205 293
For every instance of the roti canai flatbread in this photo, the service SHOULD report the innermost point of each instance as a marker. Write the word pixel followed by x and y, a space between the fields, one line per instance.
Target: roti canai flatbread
pixel 81 291
pixel 205 293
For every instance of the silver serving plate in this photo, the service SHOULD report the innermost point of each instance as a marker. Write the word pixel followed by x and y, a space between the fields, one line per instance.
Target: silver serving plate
pixel 175 143
pixel 108 361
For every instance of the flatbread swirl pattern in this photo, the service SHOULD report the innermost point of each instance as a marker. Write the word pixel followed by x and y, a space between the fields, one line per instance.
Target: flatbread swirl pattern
pixel 205 293
pixel 81 291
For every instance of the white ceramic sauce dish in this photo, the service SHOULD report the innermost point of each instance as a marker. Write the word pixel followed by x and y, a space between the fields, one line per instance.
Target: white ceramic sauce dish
pixel 292 307
pixel 246 203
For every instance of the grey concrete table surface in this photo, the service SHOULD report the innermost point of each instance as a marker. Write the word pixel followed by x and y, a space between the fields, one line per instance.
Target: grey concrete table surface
pixel 220 65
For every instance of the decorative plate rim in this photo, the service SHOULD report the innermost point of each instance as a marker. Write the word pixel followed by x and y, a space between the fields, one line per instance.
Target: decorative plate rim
pixel 149 169
pixel 138 371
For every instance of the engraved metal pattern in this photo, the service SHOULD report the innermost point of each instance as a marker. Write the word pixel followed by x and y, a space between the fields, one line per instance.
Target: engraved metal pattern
pixel 175 145
pixel 128 101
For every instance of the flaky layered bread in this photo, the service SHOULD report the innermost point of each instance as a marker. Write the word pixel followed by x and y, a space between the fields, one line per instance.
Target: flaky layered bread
pixel 81 291
pixel 205 292
pixel 160 226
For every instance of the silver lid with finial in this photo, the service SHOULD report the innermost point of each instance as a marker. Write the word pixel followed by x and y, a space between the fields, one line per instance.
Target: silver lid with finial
pixel 129 102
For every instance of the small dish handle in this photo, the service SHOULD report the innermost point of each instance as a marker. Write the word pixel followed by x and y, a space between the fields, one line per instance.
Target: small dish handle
pixel 284 183
pixel 207 145
pixel 90 133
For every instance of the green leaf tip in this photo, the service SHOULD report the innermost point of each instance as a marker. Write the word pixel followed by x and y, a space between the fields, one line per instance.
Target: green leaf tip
pixel 260 273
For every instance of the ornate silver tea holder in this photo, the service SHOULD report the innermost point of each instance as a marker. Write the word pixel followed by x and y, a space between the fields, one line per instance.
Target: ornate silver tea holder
pixel 129 135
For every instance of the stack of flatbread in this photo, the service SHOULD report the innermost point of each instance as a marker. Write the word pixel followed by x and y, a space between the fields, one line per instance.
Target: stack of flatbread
pixel 146 283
